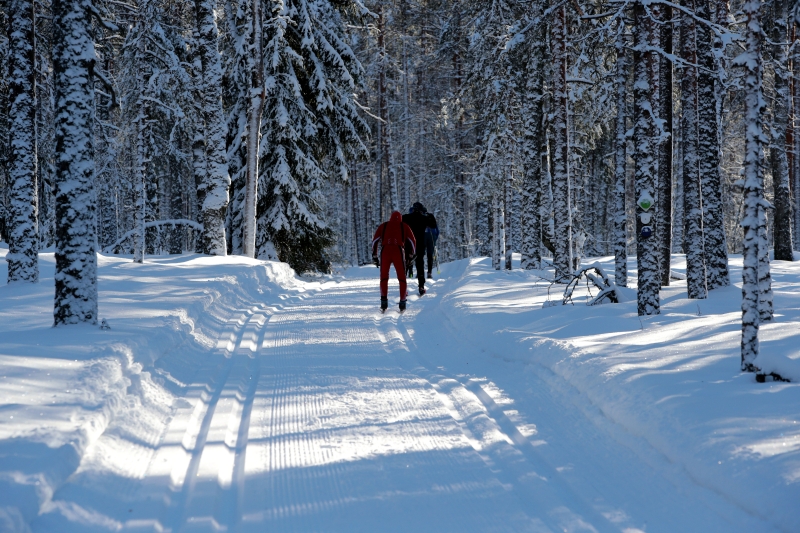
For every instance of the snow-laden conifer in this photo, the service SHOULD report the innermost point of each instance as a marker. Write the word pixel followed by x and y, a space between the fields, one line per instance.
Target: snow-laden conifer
pixel 76 254
pixel 715 245
pixel 216 180
pixel 562 215
pixel 620 159
pixel 665 146
pixel 22 219
pixel 311 127
pixel 754 202
pixel 781 104
pixel 645 66
pixel 692 198
pixel 532 143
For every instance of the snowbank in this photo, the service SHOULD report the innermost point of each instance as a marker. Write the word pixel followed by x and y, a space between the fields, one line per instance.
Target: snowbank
pixel 669 382
pixel 63 388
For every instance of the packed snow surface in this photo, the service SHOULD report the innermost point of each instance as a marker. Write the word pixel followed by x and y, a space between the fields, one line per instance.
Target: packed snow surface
pixel 231 395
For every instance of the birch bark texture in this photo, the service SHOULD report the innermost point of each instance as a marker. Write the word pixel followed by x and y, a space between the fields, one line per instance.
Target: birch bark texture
pixel 22 221
pixel 644 156
pixel 692 200
pixel 76 243
pixel 217 181
pixel 751 60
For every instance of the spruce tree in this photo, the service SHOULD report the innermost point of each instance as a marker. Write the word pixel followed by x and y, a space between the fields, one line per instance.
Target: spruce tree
pixel 22 221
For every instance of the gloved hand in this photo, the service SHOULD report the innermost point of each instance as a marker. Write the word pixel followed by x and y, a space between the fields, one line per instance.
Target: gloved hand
pixel 376 261
pixel 410 258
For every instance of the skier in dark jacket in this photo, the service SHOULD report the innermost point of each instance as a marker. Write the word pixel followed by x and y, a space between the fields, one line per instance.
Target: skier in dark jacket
pixel 397 247
pixel 423 224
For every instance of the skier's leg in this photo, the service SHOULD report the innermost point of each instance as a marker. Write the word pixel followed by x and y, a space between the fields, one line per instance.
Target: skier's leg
pixel 400 268
pixel 385 263
pixel 420 264
pixel 429 250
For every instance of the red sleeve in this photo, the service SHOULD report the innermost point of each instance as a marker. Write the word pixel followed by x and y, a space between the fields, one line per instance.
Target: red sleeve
pixel 410 238
pixel 376 239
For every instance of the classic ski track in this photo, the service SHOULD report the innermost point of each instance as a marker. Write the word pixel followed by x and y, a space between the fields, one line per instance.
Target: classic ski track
pixel 456 393
pixel 286 417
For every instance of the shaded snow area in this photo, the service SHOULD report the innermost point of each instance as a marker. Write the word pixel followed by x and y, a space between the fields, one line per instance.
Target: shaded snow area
pixel 231 395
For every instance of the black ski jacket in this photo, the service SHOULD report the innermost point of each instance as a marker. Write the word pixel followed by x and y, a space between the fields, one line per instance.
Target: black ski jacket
pixel 418 222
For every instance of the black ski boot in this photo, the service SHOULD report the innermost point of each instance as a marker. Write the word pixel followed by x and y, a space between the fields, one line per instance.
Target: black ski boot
pixel 422 291
pixel 430 276
pixel 402 305
pixel 384 304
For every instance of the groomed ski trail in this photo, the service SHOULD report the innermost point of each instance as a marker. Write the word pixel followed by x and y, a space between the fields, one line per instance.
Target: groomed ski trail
pixel 322 414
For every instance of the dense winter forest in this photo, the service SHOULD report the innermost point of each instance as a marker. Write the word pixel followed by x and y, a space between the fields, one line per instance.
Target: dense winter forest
pixel 288 129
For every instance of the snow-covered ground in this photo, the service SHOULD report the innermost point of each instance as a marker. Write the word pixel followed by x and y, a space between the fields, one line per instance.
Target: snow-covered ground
pixel 230 395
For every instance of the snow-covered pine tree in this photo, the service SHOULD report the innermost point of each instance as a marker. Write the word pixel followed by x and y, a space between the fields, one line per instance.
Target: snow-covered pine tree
pixel 692 206
pixel 22 220
pixel 715 245
pixel 781 104
pixel 532 142
pixel 645 64
pixel 562 257
pixel 76 254
pixel 665 147
pixel 311 126
pixel 751 60
pixel 620 158
pixel 216 182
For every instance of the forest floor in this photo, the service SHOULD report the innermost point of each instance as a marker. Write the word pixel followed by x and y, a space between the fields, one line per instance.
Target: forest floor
pixel 231 395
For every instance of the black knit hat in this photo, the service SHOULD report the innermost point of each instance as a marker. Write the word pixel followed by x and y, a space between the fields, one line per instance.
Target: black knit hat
pixel 419 207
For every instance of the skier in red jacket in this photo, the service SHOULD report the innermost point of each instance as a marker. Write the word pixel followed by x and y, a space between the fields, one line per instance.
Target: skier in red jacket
pixel 397 247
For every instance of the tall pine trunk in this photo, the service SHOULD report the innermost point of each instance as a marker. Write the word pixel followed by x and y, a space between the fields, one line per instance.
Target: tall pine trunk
pixel 533 141
pixel 620 161
pixel 508 237
pixel 217 180
pixel 562 256
pixel 644 156
pixel 76 242
pixel 664 207
pixel 753 183
pixel 692 200
pixel 715 245
pixel 22 221
pixel 782 224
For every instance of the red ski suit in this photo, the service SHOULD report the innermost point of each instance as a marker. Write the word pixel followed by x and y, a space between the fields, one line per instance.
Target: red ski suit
pixel 393 236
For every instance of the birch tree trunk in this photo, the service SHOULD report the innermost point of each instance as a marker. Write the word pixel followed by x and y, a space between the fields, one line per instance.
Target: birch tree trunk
pixel 645 152
pixel 76 241
pixel 562 257
pixel 217 180
pixel 620 162
pixel 22 221
pixel 692 206
pixel 715 245
pixel 255 65
pixel 664 208
pixel 753 183
pixel 140 187
pixel 780 124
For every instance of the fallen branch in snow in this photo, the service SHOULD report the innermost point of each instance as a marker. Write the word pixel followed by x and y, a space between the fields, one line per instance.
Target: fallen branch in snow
pixel 594 275
pixel 154 224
